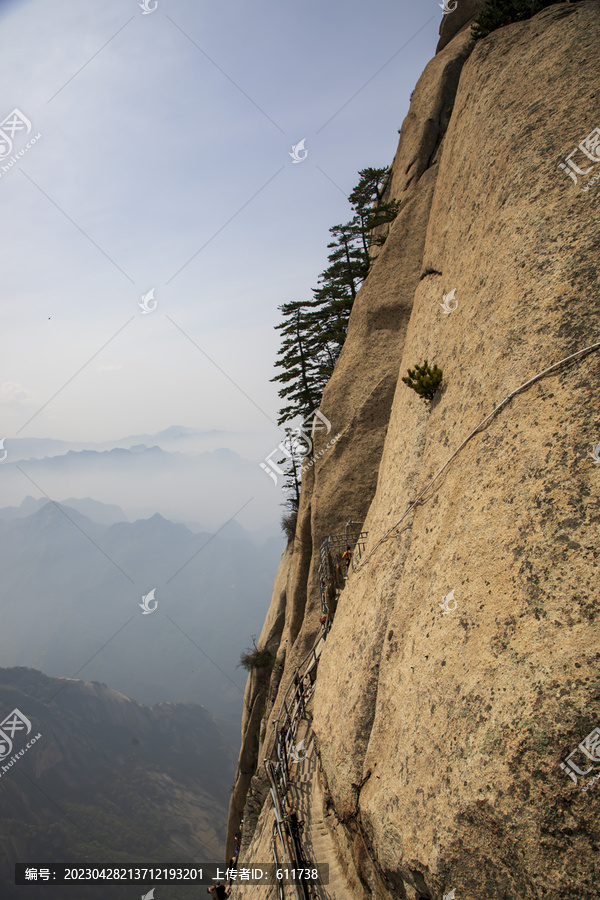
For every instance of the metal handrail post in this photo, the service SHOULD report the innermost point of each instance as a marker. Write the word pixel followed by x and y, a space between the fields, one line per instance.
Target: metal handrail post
pixel 281 818
pixel 280 891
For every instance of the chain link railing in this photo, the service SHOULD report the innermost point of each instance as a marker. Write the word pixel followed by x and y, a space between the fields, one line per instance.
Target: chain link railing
pixel 337 552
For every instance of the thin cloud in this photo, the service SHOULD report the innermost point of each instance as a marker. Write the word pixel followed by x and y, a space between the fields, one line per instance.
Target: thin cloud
pixel 13 392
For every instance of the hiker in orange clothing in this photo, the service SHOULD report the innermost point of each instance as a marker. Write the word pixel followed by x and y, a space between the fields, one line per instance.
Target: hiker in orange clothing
pixel 347 557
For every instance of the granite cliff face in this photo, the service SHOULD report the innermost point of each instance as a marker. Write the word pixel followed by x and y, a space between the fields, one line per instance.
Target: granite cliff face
pixel 441 726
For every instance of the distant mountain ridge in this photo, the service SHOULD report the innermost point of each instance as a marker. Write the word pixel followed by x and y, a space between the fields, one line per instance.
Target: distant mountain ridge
pixel 70 600
pixel 102 513
pixel 214 485
pixel 109 780
pixel 29 448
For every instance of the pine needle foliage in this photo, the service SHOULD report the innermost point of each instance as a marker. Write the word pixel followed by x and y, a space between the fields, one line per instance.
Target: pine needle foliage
pixel 502 12
pixel 424 380
pixel 296 450
pixel 313 331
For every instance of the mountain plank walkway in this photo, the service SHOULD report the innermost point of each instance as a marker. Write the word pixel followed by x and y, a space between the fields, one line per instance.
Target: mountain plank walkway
pixel 307 799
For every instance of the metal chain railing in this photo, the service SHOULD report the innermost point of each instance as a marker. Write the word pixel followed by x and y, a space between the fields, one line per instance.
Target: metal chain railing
pixel 292 710
pixel 287 828
pixel 280 891
pixel 344 549
pixel 337 553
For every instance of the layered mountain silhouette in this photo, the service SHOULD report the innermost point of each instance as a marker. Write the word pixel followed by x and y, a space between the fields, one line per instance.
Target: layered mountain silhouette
pixel 212 486
pixel 176 437
pixel 70 600
pixel 103 513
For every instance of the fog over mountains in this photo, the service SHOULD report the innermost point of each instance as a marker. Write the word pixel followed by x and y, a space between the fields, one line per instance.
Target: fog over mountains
pixel 70 600
pixel 137 518
pixel 184 474
pixel 86 533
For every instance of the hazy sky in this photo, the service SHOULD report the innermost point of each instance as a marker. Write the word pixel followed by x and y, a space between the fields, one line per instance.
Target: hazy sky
pixel 163 163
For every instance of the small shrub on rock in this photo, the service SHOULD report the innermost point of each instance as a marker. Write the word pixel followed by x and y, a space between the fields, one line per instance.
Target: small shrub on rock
pixel 424 380
pixel 253 658
pixel 288 524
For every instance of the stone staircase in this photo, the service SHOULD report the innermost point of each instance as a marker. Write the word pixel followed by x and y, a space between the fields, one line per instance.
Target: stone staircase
pixel 307 798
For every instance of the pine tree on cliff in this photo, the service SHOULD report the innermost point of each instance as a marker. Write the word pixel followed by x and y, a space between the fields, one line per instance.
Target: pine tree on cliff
pixel 293 479
pixel 349 261
pixel 371 212
pixel 315 330
pixel 297 357
pixel 334 297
